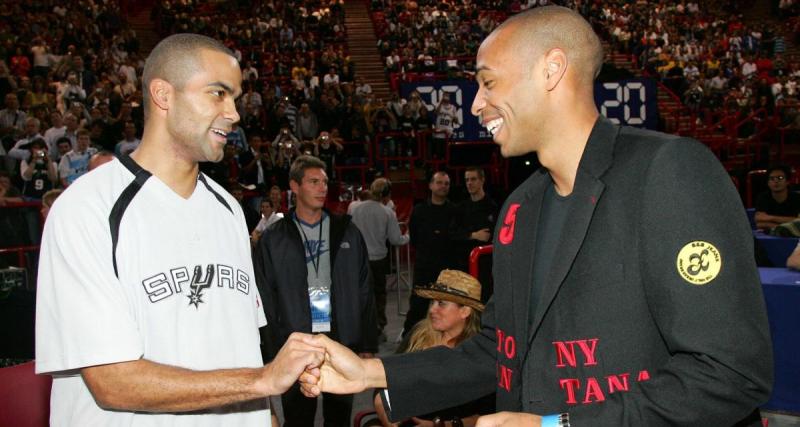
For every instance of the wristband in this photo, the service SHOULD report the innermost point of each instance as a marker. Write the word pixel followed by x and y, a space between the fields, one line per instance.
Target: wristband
pixel 556 420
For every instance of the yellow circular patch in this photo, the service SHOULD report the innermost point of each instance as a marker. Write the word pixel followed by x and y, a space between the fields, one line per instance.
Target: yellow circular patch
pixel 699 262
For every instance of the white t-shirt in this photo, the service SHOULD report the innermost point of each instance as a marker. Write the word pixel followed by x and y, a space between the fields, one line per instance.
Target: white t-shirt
pixel 264 223
pixel 185 294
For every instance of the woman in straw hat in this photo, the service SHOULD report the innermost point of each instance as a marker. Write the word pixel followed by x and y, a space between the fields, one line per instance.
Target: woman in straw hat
pixel 454 315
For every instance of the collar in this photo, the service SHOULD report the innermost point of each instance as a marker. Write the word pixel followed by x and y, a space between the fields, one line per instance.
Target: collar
pixel 596 159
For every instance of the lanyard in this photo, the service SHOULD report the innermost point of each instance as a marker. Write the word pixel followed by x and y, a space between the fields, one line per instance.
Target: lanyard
pixel 308 244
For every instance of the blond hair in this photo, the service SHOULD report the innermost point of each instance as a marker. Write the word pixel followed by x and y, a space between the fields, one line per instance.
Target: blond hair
pixel 423 336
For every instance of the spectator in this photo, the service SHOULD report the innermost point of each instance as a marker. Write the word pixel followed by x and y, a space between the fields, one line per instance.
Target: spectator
pixel 454 315
pixel 39 173
pixel 445 121
pixel 307 127
pixel 64 146
pixel 54 133
pixel 32 126
pixel 70 92
pixel 250 215
pixel 473 225
pixel 76 162
pixel 12 119
pixel 130 142
pixel 276 197
pixel 777 205
pixel 256 164
pixel 237 138
pixel 378 224
pixel 327 149
pixel 429 230
pixel 315 259
pixel 269 216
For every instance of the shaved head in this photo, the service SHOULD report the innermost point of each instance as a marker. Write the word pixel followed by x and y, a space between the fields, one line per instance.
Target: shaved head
pixel 538 30
pixel 175 59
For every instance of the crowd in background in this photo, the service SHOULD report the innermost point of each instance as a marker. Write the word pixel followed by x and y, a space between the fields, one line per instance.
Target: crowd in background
pixel 71 76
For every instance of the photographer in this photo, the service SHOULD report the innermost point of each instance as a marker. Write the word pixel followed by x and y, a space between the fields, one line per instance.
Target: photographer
pixel 40 174
pixel 286 147
pixel 70 91
pixel 256 164
pixel 326 148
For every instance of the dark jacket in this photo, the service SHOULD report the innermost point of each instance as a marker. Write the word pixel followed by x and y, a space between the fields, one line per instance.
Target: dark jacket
pixel 429 231
pixel 634 326
pixel 281 275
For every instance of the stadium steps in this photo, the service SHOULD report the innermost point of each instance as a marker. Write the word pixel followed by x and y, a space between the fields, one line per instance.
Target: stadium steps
pixel 362 46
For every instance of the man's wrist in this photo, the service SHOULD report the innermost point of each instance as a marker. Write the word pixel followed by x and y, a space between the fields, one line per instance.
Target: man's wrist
pixel 375 374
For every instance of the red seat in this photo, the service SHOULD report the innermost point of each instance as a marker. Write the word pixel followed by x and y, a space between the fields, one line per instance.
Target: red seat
pixel 24 397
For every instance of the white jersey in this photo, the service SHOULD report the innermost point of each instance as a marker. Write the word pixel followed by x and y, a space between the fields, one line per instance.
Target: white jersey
pixel 176 286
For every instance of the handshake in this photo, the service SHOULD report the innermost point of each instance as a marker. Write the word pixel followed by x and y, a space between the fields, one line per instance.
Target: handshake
pixel 320 364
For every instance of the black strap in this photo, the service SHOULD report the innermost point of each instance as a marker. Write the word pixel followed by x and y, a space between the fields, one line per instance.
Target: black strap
pixel 115 217
pixel 202 178
pixel 141 176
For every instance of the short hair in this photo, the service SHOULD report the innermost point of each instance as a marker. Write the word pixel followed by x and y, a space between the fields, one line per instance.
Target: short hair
pixel 174 60
pixel 300 164
pixel 62 140
pixel 476 169
pixel 787 171
pixel 37 142
pixel 548 27
pixel 268 201
pixel 82 132
pixel 380 188
pixel 433 175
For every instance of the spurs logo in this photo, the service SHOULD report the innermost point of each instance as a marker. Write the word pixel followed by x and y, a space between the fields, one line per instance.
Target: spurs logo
pixel 199 283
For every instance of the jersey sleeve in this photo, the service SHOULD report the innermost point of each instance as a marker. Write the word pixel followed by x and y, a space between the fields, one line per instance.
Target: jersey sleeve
pixel 83 315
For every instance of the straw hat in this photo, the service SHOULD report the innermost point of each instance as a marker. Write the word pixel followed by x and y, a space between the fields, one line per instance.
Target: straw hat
pixel 455 286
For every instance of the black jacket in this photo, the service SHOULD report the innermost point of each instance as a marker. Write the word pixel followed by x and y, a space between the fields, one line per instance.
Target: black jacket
pixel 281 275
pixel 652 314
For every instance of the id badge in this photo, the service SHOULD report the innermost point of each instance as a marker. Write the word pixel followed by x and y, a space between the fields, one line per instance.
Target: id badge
pixel 320 309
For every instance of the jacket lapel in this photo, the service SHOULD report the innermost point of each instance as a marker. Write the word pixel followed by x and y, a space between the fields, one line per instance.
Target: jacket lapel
pixel 522 251
pixel 587 191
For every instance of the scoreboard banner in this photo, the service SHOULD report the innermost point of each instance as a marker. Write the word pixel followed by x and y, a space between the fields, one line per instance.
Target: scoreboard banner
pixel 632 102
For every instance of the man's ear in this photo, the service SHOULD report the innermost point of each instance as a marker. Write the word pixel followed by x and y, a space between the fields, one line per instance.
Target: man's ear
pixel 555 62
pixel 160 92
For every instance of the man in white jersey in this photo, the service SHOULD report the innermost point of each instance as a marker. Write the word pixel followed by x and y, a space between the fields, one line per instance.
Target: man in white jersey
pixel 147 309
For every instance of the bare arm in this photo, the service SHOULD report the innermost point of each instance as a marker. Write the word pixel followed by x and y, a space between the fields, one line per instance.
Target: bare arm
pixel 765 220
pixel 794 259
pixel 26 170
pixel 147 386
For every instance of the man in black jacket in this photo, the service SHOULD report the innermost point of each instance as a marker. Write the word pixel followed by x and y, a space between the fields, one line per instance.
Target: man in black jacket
pixel 312 269
pixel 428 228
pixel 625 288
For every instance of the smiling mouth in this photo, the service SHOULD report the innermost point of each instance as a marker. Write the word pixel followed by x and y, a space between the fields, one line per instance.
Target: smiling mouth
pixel 220 132
pixel 494 126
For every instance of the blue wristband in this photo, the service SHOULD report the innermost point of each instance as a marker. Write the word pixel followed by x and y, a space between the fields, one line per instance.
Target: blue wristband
pixel 550 420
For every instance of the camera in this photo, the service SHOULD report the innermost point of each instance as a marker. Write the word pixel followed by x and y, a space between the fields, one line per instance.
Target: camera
pixel 40 154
